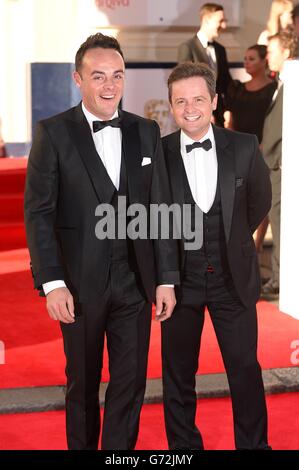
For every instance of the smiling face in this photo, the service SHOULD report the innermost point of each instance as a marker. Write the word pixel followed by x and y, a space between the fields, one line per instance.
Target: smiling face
pixel 214 23
pixel 192 106
pixel 101 81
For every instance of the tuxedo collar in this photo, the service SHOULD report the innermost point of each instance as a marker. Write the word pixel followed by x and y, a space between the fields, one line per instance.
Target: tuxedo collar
pixel 82 138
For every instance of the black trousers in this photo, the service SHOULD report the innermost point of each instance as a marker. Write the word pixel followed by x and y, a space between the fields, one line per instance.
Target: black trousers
pixel 236 331
pixel 125 317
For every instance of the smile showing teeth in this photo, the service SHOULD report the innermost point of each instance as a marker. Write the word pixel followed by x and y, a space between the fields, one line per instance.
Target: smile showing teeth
pixel 191 118
pixel 107 97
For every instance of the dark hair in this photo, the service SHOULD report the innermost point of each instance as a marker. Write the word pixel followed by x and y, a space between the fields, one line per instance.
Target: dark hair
pixel 209 8
pixel 287 40
pixel 94 41
pixel 189 70
pixel 260 49
pixel 295 12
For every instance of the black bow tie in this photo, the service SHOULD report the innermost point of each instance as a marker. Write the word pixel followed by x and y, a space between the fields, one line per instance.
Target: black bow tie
pixel 98 125
pixel 210 43
pixel 206 145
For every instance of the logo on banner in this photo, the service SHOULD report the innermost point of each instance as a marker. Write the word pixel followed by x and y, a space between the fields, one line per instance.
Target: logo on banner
pixel 112 4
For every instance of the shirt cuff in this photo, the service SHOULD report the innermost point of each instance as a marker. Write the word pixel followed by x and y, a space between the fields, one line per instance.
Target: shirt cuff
pixel 49 286
pixel 166 285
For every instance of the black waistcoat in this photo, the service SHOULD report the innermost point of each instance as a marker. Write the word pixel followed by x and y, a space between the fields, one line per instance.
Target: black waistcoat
pixel 213 251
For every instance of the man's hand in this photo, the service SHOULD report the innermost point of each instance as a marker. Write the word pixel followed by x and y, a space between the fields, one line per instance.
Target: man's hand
pixel 165 302
pixel 60 305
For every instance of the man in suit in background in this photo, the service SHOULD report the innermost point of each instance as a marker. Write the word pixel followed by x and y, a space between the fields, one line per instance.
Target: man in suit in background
pixel 203 48
pixel 221 173
pixel 295 17
pixel 280 48
pixel 90 155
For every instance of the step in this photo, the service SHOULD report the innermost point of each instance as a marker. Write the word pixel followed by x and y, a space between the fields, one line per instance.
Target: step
pixel 12 236
pixel 12 175
pixel 11 208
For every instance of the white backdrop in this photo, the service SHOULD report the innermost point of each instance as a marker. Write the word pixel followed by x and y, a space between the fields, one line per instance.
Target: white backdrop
pixel 289 253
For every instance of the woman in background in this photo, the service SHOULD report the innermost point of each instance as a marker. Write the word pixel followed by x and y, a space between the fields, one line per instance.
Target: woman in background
pixel 280 18
pixel 248 102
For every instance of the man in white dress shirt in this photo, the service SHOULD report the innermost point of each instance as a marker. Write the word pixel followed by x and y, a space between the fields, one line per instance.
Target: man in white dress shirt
pixel 90 155
pixel 221 173
pixel 203 48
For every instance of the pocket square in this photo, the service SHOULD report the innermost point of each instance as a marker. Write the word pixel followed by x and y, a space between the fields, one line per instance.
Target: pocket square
pixel 239 182
pixel 146 161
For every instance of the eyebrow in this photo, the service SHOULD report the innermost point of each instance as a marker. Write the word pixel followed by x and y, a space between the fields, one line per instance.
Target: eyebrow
pixel 103 73
pixel 194 97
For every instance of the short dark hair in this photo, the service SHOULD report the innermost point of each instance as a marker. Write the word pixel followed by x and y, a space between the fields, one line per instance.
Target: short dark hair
pixel 295 12
pixel 209 8
pixel 193 69
pixel 287 40
pixel 94 41
pixel 260 49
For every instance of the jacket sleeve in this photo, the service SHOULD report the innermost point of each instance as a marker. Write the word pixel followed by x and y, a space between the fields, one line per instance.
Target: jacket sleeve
pixel 259 189
pixel 166 249
pixel 41 192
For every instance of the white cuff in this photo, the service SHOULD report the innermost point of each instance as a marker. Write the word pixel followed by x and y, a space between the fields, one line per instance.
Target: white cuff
pixel 49 286
pixel 166 285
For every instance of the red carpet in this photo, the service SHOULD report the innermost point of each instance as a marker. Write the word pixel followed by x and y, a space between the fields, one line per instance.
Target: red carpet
pixel 34 352
pixel 33 347
pixel 12 180
pixel 45 431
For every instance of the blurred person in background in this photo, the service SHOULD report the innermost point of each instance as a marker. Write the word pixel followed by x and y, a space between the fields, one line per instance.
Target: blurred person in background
pixel 203 48
pixel 280 19
pixel 2 144
pixel 295 17
pixel 281 47
pixel 247 105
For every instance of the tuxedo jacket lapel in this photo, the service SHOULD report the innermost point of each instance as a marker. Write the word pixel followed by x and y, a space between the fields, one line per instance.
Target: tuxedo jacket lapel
pixel 227 177
pixel 81 136
pixel 199 51
pixel 175 167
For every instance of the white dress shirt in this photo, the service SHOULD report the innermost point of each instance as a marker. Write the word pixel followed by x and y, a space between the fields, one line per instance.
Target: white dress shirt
pixel 210 49
pixel 201 168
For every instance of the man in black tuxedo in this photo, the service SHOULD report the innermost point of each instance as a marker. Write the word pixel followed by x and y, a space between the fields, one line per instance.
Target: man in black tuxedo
pixel 222 175
pixel 84 157
pixel 203 48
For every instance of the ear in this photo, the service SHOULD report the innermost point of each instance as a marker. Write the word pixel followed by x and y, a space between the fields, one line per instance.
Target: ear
pixel 170 107
pixel 214 102
pixel 286 54
pixel 77 78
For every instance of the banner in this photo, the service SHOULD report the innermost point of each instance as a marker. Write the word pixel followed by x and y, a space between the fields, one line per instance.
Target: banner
pixel 104 13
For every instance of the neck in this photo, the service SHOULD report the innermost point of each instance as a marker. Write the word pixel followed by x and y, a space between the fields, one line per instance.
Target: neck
pixel 206 33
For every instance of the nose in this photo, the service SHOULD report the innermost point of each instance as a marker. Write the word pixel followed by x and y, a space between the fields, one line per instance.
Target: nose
pixel 109 82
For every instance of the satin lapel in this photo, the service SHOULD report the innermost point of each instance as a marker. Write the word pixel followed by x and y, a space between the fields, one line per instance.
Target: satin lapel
pixel 200 51
pixel 227 177
pixel 81 136
pixel 175 168
pixel 133 158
